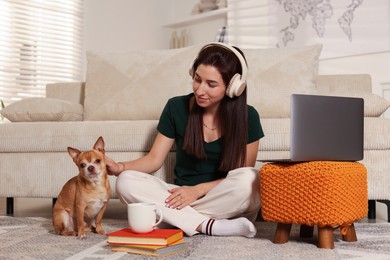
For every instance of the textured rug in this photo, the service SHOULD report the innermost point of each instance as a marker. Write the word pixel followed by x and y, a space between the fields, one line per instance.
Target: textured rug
pixel 34 238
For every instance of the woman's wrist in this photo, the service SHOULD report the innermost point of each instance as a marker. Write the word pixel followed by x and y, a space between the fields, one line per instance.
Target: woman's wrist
pixel 201 191
pixel 122 167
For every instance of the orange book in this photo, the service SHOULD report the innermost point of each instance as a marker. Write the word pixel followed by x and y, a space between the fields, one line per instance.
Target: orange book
pixel 161 237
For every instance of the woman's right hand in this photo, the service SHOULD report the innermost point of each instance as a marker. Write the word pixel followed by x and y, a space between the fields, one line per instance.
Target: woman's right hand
pixel 114 168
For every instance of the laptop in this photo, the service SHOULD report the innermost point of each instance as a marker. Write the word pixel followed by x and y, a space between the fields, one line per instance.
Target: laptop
pixel 325 128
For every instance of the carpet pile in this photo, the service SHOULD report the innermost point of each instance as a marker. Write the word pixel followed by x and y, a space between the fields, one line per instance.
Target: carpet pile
pixel 34 238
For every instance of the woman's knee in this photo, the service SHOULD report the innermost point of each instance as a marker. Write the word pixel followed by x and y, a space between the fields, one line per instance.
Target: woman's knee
pixel 246 185
pixel 125 182
pixel 246 179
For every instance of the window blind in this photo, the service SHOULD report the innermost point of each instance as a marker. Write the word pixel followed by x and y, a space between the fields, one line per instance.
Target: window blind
pixel 40 43
pixel 252 23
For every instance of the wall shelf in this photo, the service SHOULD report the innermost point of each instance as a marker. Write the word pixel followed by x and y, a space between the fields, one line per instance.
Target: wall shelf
pixel 198 18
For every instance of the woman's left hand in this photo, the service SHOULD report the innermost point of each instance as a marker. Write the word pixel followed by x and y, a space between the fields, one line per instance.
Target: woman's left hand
pixel 182 196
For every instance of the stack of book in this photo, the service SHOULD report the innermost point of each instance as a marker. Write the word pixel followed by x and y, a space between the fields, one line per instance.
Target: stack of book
pixel 159 242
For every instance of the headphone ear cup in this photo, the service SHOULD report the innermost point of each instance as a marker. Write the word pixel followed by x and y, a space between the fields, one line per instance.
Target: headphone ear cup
pixel 236 86
pixel 241 87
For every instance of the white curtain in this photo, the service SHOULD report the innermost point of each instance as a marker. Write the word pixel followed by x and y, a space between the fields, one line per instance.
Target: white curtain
pixel 40 42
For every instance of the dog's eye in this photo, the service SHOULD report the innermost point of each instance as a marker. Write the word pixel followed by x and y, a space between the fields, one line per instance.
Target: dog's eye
pixel 97 161
pixel 82 165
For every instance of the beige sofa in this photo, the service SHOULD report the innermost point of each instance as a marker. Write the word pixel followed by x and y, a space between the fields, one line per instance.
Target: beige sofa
pixel 124 94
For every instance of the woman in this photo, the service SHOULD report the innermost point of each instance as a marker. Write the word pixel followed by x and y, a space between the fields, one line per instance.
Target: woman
pixel 216 190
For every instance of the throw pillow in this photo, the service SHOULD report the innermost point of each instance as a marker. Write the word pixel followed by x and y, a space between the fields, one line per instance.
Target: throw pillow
pixel 276 73
pixel 374 105
pixel 43 109
pixel 135 85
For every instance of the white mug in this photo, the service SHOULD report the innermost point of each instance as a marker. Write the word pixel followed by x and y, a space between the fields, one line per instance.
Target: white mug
pixel 142 217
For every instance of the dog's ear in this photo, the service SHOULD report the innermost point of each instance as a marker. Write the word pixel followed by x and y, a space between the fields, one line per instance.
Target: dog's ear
pixel 99 145
pixel 74 153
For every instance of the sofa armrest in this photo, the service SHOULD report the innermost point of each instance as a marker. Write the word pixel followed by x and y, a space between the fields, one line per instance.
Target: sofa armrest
pixel 350 82
pixel 70 91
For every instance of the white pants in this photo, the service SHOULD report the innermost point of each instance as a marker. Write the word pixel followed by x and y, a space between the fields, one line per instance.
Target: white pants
pixel 237 195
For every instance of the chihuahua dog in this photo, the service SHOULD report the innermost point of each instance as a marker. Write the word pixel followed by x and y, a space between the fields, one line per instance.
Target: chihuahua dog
pixel 83 198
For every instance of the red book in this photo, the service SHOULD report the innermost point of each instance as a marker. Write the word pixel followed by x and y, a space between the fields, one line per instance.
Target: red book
pixel 161 237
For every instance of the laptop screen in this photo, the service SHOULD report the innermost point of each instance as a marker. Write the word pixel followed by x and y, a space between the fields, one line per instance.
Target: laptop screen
pixel 326 128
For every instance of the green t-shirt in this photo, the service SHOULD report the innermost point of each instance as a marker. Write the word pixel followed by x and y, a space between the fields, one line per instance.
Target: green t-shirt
pixel 188 169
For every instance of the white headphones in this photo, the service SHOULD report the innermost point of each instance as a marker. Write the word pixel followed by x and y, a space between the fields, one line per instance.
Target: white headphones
pixel 237 83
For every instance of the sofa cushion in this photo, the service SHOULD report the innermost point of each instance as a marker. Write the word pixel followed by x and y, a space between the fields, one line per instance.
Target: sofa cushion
pixel 43 109
pixel 353 85
pixel 138 136
pixel 119 136
pixel 70 91
pixel 374 105
pixel 275 74
pixel 136 85
pixel 277 135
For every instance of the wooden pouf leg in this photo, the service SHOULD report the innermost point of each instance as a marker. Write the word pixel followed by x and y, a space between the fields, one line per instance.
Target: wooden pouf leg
pixel 282 233
pixel 351 234
pixel 306 231
pixel 325 237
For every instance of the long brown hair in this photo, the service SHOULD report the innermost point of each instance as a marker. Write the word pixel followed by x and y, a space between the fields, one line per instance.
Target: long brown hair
pixel 232 114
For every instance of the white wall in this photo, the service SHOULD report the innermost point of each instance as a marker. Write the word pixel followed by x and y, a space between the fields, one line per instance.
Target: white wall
pixel 124 25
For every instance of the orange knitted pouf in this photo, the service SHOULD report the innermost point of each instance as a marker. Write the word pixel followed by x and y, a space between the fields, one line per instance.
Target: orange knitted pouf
pixel 320 193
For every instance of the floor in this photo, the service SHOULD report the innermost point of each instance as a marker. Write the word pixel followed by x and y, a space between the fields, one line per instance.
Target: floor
pixel 24 207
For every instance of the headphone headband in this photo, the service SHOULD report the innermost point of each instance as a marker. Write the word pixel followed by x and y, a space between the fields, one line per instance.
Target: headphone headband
pixel 237 83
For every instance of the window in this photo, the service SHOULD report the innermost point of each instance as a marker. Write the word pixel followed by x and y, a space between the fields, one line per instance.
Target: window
pixel 40 43
pixel 252 23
